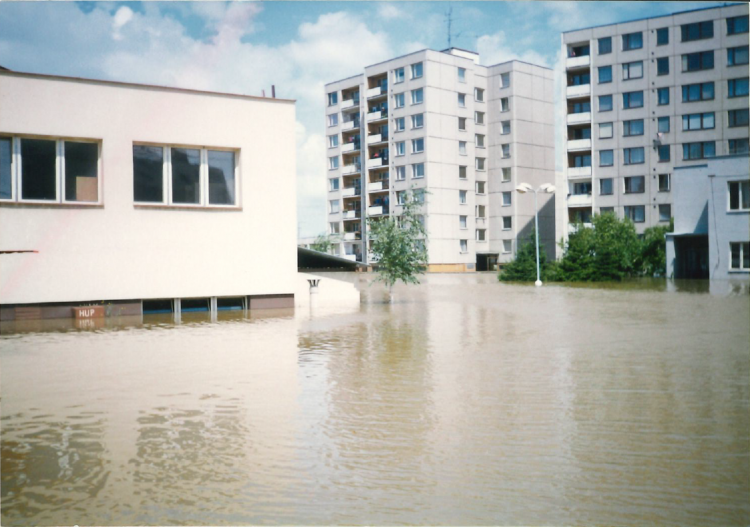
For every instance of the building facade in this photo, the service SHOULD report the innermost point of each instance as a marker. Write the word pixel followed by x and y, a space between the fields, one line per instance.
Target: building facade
pixel 134 196
pixel 457 136
pixel 643 96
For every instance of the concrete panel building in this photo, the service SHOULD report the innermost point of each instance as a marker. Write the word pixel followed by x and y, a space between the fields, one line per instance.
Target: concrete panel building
pixel 134 194
pixel 460 135
pixel 643 96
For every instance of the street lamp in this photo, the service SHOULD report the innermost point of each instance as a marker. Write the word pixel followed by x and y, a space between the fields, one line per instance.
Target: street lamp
pixel 549 189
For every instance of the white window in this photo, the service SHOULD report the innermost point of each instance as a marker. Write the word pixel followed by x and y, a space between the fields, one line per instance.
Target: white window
pixel 507 198
pixel 462 223
pixel 334 227
pixel 333 119
pixel 507 246
pixel 185 176
pixel 401 197
pixel 605 130
pixel 481 211
pixel 664 182
pixel 51 170
pixel 739 259
pixel 417 145
pixel 419 195
pixel 462 124
pixel 333 98
pixel 507 223
pixel 401 173
pixel 417 96
pixel 398 75
pixel 334 206
pixel 481 235
pixel 333 184
pixel 464 244
pixel 505 174
pixel 462 172
pixel 480 163
pixel 505 104
pixel 417 170
pixel 400 148
pixel 461 74
pixel 479 94
pixel 480 187
pixel 417 120
pixel 333 141
pixel 400 124
pixel 739 195
pixel 398 100
pixel 479 140
pixel 479 117
pixel 505 127
pixel 462 100
pixel 504 80
pixel 333 162
pixel 462 197
pixel 665 212
pixel 462 148
pixel 416 70
pixel 506 151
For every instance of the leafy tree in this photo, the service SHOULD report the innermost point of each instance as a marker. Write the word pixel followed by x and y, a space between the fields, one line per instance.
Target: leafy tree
pixel 523 267
pixel 654 249
pixel 322 243
pixel 398 245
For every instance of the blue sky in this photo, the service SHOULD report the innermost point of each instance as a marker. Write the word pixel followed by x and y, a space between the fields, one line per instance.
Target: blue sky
pixel 245 47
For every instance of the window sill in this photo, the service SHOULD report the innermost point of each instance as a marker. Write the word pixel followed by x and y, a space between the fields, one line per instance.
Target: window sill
pixel 210 208
pixel 739 271
pixel 738 211
pixel 51 205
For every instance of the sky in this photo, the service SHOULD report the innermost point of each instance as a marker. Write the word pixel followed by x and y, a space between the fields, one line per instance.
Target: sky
pixel 245 47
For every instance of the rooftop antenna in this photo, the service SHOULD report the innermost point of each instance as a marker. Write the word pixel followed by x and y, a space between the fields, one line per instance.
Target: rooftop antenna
pixel 449 26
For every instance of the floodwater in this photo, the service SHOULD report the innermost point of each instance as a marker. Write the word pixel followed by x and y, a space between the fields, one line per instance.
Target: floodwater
pixel 464 401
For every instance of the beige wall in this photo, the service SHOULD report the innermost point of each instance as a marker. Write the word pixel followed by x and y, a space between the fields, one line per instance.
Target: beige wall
pixel 118 251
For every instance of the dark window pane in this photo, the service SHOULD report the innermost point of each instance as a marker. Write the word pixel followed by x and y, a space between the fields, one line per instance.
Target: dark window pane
pixel 81 170
pixel 148 167
pixel 38 160
pixel 6 151
pixel 220 178
pixel 735 248
pixel 186 175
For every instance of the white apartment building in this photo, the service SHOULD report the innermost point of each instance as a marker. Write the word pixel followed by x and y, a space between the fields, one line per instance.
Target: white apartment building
pixel 136 196
pixel 461 136
pixel 643 96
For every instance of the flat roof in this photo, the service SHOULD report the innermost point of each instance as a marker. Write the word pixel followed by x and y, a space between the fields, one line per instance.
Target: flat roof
pixel 5 71
pixel 650 17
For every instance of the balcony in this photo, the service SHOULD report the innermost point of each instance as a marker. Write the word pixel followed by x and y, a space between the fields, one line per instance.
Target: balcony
pixel 350 125
pixel 572 63
pixel 579 200
pixel 573 228
pixel 579 172
pixel 377 91
pixel 349 104
pixel 376 162
pixel 380 186
pixel 351 214
pixel 350 236
pixel 351 169
pixel 579 144
pixel 350 147
pixel 371 258
pixel 378 115
pixel 582 90
pixel 579 118
pixel 374 139
pixel 349 192
pixel 377 210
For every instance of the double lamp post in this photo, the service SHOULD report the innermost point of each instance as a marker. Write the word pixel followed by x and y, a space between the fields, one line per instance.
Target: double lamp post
pixel 549 189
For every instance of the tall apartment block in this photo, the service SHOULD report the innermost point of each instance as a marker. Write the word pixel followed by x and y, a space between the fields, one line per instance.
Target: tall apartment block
pixel 459 136
pixel 643 97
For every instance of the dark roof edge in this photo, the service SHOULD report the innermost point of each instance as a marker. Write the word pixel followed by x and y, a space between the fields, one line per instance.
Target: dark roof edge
pixel 148 86
pixel 650 17
pixel 522 62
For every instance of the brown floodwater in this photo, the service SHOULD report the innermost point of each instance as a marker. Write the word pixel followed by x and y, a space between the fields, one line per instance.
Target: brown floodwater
pixel 465 401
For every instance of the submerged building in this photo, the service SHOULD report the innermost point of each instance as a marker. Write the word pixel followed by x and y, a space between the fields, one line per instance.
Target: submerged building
pixel 137 197
pixel 459 136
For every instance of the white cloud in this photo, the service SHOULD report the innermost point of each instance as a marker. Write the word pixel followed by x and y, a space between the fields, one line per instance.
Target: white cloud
pixel 390 11
pixel 493 49
pixel 122 17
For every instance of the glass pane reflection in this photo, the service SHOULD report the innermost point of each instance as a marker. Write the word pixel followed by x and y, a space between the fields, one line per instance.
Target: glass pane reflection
pixel 221 178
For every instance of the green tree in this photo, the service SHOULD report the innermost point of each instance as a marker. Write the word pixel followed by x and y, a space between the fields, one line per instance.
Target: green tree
pixel 399 244
pixel 654 249
pixel 322 243
pixel 523 267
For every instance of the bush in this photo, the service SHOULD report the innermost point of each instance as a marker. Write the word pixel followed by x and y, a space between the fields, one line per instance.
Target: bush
pixel 523 267
pixel 654 250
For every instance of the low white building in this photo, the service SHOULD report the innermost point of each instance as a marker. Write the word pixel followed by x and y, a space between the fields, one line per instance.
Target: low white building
pixel 138 196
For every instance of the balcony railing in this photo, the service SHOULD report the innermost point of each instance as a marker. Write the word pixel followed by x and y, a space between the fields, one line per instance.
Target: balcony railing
pixel 579 200
pixel 377 91
pixel 582 90
pixel 356 235
pixel 577 62
pixel 579 172
pixel 349 103
pixel 376 138
pixel 579 118
pixel 377 115
pixel 351 191
pixel 573 227
pixel 351 169
pixel 350 125
pixel 350 147
pixel 379 186
pixel 579 144
pixel 377 210
pixel 351 214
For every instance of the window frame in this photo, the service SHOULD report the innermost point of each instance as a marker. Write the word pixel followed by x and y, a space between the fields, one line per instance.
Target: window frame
pixel 628 124
pixel 627 66
pixel 740 183
pixel 627 154
pixel 611 186
pixel 659 70
pixel 703 32
pixel 668 179
pixel 612 162
pixel 686 119
pixel 730 26
pixel 635 208
pixel 414 67
pixel 414 93
pixel 701 88
pixel 659 33
pixel 599 71
pixel 685 59
pixel 414 144
pixel 741 268
pixel 731 56
pixel 659 92
pixel 413 121
pixel 628 95
pixel 732 87
pixel 608 47
pixel 702 150
pixel 630 46
pixel 659 121
pixel 732 121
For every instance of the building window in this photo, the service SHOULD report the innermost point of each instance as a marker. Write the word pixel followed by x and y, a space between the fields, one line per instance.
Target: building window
pixel 605 186
pixel 398 75
pixel 417 145
pixel 462 223
pixel 400 148
pixel 605 45
pixel 401 197
pixel 417 96
pixel 462 124
pixel 737 24
pixel 417 170
pixel 739 256
pixel 700 150
pixel 632 70
pixel 400 173
pixel 738 146
pixel 737 56
pixel 505 151
pixel 464 245
pixel 606 158
pixel 480 187
pixel 697 31
pixel 462 171
pixel 576 134
pixel 6 168
pixel 582 189
pixel 703 60
pixel 479 117
pixel 333 184
pixel 580 79
pixel 481 235
pixel 462 100
pixel 504 127
pixel 480 211
pixel 738 117
pixel 462 197
pixel 505 104
pixel 333 119
pixel 634 127
pixel 507 246
pixel 399 123
pixel 334 227
pixel 698 121
pixel 665 212
pixel 635 184
pixel 665 182
pixel 333 98
pixel 416 70
pixel 480 163
pixel 606 210
pixel 662 96
pixel 632 41
pixel 479 94
pixel 333 141
pixel 507 196
pixel 507 223
pixel 664 153
pixel 334 206
pixel 479 140
pixel 605 130
pixel 461 74
pixel 605 74
pixel 399 100
pixel 462 148
pixel 662 66
pixel 636 214
pixel 417 120
pixel 737 87
pixel 739 195
pixel 662 36
pixel 583 160
pixel 605 103
pixel 419 196
pixel 698 92
pixel 633 99
pixel 633 156
pixel 333 163
pixel 505 80
pixel 663 125
pixel 505 174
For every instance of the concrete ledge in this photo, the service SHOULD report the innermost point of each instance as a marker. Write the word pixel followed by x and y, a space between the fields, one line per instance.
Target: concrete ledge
pixel 271 301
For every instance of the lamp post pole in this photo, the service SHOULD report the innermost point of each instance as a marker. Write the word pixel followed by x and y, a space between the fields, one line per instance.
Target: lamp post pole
pixel 523 188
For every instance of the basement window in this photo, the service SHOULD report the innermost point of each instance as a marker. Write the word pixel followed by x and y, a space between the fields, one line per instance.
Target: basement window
pixel 231 304
pixel 152 307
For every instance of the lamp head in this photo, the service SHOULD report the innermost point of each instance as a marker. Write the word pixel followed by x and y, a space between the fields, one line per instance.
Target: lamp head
pixel 524 187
